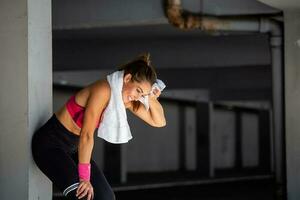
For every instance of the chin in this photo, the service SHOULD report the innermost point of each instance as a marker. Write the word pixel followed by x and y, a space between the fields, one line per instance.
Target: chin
pixel 126 101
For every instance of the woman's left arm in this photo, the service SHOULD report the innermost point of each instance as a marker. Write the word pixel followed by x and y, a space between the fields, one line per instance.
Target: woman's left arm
pixel 155 115
pixel 156 111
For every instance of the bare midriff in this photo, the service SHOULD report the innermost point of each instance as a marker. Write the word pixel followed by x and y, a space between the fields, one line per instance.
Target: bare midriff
pixel 65 118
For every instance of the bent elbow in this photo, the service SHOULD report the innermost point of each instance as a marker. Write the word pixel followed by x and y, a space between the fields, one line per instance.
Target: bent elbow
pixel 163 124
pixel 160 125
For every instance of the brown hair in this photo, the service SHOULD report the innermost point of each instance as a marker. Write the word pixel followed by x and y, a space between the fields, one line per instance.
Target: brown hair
pixel 141 70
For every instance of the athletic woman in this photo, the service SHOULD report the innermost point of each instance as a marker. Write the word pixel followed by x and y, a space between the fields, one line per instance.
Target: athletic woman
pixel 62 147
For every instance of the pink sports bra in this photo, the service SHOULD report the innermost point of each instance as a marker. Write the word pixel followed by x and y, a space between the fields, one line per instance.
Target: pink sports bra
pixel 77 111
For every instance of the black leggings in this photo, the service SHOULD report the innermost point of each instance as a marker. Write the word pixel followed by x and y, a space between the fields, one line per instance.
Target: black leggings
pixel 55 151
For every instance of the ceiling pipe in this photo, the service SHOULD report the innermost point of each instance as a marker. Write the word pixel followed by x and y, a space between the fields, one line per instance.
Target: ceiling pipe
pixel 185 20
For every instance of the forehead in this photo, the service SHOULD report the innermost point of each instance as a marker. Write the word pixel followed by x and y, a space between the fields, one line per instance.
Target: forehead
pixel 144 85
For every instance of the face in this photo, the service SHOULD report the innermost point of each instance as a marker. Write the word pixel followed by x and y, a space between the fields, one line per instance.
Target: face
pixel 132 90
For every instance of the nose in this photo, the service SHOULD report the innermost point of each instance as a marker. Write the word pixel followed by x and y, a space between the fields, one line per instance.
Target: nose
pixel 137 96
pixel 134 97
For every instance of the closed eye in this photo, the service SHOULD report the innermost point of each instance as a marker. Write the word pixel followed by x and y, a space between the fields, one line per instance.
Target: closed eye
pixel 139 91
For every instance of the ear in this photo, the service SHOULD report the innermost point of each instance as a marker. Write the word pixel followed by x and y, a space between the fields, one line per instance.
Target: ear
pixel 127 78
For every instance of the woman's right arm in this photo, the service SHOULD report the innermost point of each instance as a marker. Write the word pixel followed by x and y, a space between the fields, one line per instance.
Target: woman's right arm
pixel 97 101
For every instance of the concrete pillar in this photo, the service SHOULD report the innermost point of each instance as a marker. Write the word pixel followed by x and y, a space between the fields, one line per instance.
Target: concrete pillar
pixel 292 101
pixel 26 94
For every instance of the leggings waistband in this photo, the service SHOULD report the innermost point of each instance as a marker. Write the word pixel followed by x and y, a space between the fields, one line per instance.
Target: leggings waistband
pixel 60 126
pixel 55 134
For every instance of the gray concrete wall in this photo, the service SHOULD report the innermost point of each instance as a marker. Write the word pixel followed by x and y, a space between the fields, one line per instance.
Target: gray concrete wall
pixel 26 91
pixel 292 101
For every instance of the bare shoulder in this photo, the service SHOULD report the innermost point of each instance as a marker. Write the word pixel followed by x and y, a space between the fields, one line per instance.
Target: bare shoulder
pixel 101 88
pixel 98 97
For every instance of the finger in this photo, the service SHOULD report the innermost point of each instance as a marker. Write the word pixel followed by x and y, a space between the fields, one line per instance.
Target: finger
pixel 80 185
pixel 82 188
pixel 155 91
pixel 78 189
pixel 83 194
pixel 158 92
pixel 89 196
pixel 92 193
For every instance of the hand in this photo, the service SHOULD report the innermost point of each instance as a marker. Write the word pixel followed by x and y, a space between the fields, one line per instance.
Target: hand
pixel 85 188
pixel 155 93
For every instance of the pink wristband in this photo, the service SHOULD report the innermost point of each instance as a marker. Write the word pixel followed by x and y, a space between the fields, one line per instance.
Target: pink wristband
pixel 84 171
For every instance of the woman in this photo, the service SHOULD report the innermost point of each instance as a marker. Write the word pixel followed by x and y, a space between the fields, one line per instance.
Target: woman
pixel 62 147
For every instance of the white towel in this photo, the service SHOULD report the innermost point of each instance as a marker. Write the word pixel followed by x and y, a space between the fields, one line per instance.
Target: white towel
pixel 114 126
